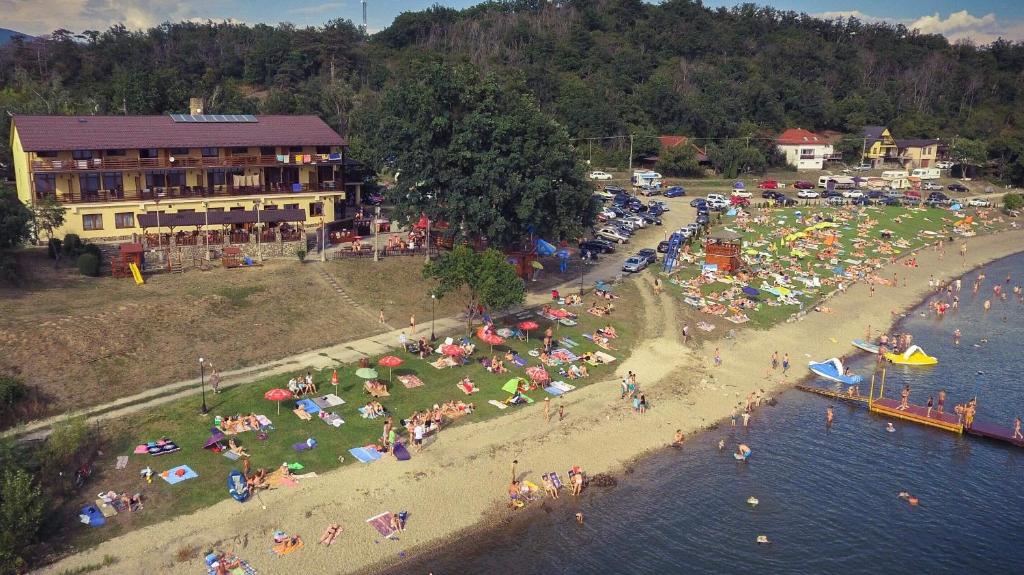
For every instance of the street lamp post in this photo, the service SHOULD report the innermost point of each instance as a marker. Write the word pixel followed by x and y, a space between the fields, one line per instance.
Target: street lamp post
pixel 583 268
pixel 433 298
pixel 202 383
pixel 323 240
pixel 376 232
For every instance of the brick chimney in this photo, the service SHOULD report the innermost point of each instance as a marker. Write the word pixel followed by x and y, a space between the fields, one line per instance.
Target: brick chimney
pixel 195 106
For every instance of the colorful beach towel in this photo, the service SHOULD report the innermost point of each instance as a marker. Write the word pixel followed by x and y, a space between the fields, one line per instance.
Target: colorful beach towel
pixel 497 404
pixel 161 447
pixel 365 454
pixel 243 569
pixel 309 405
pixel 92 516
pixel 382 523
pixel 230 455
pixel 567 342
pixel 281 549
pixel 553 390
pixel 122 461
pixel 410 381
pixel 332 419
pixel 178 474
pixel 400 452
pixel 328 401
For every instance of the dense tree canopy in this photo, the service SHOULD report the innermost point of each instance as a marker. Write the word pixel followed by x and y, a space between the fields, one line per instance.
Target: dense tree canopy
pixel 479 155
pixel 599 67
pixel 486 277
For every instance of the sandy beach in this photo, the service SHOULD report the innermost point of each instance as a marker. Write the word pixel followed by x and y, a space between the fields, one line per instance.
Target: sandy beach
pixel 459 480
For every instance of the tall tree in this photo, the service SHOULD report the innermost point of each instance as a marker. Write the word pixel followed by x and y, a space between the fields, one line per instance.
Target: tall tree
pixel 15 220
pixel 486 277
pixel 480 154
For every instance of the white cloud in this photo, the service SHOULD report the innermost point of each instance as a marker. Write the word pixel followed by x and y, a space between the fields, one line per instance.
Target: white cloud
pixel 317 8
pixel 38 17
pixel 957 26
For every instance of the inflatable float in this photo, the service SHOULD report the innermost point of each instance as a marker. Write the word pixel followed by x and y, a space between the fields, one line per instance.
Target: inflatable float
pixel 864 345
pixel 913 356
pixel 832 370
pixel 237 486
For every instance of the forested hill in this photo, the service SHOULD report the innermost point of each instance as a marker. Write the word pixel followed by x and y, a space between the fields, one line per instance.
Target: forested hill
pixel 601 67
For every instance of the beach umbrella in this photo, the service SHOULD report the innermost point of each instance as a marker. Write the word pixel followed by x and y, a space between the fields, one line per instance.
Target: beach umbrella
pixel 334 381
pixel 278 395
pixel 512 385
pixel 528 326
pixel 752 292
pixel 536 265
pixel 390 362
pixel 215 436
pixel 559 313
pixel 366 373
pixel 491 339
pixel 538 374
pixel 452 350
pixel 505 332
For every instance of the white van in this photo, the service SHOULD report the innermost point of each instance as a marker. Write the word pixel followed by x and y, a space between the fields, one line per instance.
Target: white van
pixel 899 184
pixel 894 174
pixel 926 173
pixel 823 180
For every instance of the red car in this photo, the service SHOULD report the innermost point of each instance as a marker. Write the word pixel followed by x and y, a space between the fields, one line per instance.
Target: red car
pixel 739 202
pixel 768 185
pixel 803 185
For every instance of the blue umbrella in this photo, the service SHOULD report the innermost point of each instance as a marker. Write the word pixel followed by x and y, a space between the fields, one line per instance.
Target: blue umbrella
pixel 752 292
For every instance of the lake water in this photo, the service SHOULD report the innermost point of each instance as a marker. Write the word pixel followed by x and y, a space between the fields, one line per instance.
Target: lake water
pixel 828 500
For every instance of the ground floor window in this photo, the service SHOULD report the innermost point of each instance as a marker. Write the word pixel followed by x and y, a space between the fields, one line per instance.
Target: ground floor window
pixel 316 209
pixel 291 206
pixel 46 183
pixel 92 222
pixel 124 220
pixel 89 182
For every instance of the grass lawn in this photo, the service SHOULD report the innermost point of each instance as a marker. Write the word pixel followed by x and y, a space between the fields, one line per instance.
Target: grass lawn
pixel 915 227
pixel 182 423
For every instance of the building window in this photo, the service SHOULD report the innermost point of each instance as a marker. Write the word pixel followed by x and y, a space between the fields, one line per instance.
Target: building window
pixel 46 154
pixel 124 220
pixel 46 183
pixel 323 149
pixel 186 211
pixel 113 180
pixel 215 209
pixel 218 176
pixel 113 152
pixel 82 154
pixel 270 207
pixel 237 209
pixel 295 149
pixel 268 151
pixel 179 151
pixel 176 178
pixel 92 222
pixel 316 209
pixel 210 152
pixel 807 153
pixel 149 153
pixel 89 182
pixel 239 151
pixel 291 206
pixel 156 180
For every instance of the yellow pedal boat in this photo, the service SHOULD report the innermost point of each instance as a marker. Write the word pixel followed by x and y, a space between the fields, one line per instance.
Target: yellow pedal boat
pixel 913 356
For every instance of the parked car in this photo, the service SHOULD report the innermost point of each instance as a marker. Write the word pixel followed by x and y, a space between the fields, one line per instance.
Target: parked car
pixel 615 189
pixel 739 201
pixel 937 199
pixel 697 202
pixel 958 188
pixel 803 185
pixel 768 185
pixel 862 201
pixel 663 246
pixel 649 191
pixel 675 192
pixel 600 176
pixel 741 194
pixel 827 194
pixel 635 220
pixel 648 254
pixel 863 168
pixel 612 234
pixel 835 200
pixel 890 201
pixel 650 218
pixel 807 194
pixel 853 194
pixel 979 203
pixel 785 201
pixel 912 198
pixel 718 203
pixel 702 220
pixel 634 264
pixel 769 194
pixel 944 165
pixel 929 186
pixel 597 245
pixel 659 204
pixel 608 214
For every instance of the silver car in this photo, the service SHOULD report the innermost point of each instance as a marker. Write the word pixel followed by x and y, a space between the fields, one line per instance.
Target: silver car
pixel 634 264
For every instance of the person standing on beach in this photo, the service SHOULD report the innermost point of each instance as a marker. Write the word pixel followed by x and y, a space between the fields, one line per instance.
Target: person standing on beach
pixel 956 285
pixel 561 412
pixel 514 463
pixel 905 397
pixel 718 358
pixel 686 333
pixel 785 365
pixel 380 316
pixel 412 324
pixel 746 419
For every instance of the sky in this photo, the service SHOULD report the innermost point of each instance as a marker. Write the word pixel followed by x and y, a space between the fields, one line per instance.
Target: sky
pixel 979 20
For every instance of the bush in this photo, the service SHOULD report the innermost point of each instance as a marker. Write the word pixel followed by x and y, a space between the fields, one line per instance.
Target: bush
pixel 72 244
pixel 21 515
pixel 12 390
pixel 1013 201
pixel 94 250
pixel 301 254
pixel 89 265
pixel 53 248
pixel 10 269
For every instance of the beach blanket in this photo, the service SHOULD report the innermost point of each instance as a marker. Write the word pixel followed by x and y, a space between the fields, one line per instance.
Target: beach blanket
pixel 601 358
pixel 332 419
pixel 497 404
pixel 122 461
pixel 553 390
pixel 162 447
pixel 328 401
pixel 105 508
pixel 91 516
pixel 567 342
pixel 302 446
pixel 365 454
pixel 264 421
pixel 467 389
pixel 562 386
pixel 400 452
pixel 382 523
pixel 705 326
pixel 173 477
pixel 367 413
pixel 277 478
pixel 302 414
pixel 410 381
pixel 519 360
pixel 567 322
pixel 564 355
pixel 308 405
pixel 555 480
pixel 243 569
pixel 378 392
pixel 281 549
pixel 230 455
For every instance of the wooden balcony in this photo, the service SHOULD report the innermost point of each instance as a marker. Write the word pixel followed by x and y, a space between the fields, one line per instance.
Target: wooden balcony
pixel 189 192
pixel 180 162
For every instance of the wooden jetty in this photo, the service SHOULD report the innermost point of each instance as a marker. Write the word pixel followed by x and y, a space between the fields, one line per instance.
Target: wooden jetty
pixel 917 413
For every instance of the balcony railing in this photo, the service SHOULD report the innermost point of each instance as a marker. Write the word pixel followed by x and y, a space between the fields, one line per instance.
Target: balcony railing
pixel 179 192
pixel 180 162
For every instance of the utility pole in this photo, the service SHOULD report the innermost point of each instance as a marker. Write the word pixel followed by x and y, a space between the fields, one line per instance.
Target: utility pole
pixel 631 157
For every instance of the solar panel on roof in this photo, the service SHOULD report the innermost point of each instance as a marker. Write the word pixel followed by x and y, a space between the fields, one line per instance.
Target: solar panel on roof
pixel 214 118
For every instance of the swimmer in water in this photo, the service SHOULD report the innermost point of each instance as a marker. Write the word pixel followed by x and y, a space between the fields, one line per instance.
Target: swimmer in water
pixel 889 427
pixel 743 450
pixel 956 336
pixel 721 444
pixel 679 438
pixel 828 417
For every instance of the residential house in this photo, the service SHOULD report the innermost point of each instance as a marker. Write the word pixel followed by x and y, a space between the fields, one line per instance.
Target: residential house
pixel 920 153
pixel 879 147
pixel 666 142
pixel 119 175
pixel 804 150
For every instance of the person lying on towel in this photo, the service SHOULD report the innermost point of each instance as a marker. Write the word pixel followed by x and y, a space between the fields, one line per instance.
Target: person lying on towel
pixel 608 331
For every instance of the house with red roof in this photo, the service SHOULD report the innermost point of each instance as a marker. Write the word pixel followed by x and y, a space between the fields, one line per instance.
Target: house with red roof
pixel 804 150
pixel 666 142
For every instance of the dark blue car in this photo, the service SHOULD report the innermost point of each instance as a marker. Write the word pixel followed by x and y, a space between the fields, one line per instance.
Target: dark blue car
pixel 698 202
pixel 675 192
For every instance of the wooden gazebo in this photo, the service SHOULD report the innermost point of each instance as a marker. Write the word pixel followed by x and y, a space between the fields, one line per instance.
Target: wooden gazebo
pixel 723 250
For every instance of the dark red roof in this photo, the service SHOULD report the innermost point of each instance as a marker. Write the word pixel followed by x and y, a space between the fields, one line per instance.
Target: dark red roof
pixel 52 133
pixel 798 136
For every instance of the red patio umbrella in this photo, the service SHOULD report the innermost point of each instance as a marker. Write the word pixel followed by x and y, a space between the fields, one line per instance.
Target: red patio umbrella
pixel 452 350
pixel 334 381
pixel 489 338
pixel 390 362
pixel 538 374
pixel 528 326
pixel 278 395
pixel 559 313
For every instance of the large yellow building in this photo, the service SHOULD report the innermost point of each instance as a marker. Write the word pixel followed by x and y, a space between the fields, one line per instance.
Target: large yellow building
pixel 921 153
pixel 122 175
pixel 879 147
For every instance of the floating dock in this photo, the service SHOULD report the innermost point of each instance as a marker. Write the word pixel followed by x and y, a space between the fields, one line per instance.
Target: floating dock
pixel 994 432
pixel 916 414
pixel 836 395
